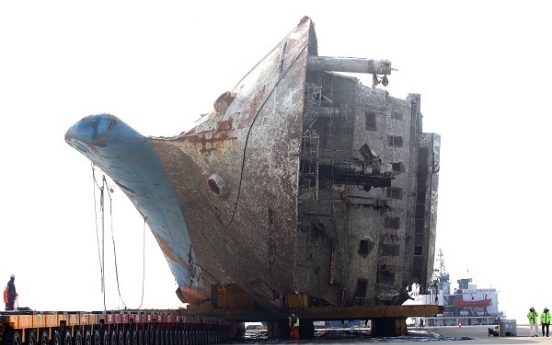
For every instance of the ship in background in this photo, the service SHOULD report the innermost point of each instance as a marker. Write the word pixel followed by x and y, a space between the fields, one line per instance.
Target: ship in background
pixel 466 304
pixel 301 188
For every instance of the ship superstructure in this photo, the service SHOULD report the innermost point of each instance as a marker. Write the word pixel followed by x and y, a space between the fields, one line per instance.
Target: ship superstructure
pixel 464 302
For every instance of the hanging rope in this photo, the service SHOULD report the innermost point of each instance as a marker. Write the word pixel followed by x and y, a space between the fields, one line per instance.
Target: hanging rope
pixel 101 255
pixel 143 262
pixel 101 249
pixel 109 191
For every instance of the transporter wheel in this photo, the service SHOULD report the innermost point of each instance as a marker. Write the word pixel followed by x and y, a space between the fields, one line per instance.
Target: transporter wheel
pixel 121 338
pixel 113 337
pixel 177 338
pixel 105 338
pixel 77 338
pixel 182 338
pixel 128 337
pixel 31 338
pixel 186 337
pixel 67 338
pixel 56 338
pixel 97 338
pixel 11 338
pixel 170 337
pixel 87 338
pixel 44 338
pixel 146 340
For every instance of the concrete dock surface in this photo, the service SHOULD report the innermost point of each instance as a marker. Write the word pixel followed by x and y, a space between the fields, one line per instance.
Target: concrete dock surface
pixel 468 335
pixel 480 335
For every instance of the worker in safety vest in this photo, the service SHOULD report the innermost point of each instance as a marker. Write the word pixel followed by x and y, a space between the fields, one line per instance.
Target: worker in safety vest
pixel 293 326
pixel 545 321
pixel 532 316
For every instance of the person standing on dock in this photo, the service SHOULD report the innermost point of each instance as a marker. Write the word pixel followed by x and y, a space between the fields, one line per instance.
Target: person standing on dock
pixel 533 316
pixel 545 320
pixel 12 294
pixel 293 326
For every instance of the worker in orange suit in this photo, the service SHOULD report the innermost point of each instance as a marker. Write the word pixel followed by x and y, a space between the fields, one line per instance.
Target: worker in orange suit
pixel 11 294
pixel 293 326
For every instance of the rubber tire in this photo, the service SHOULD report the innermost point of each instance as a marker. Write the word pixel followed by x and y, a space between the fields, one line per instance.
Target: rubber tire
pixel 30 338
pixel 97 337
pixel 11 338
pixel 128 337
pixel 170 337
pixel 66 340
pixel 87 338
pixel 134 338
pixel 44 338
pixel 105 338
pixel 56 338
pixel 77 339
pixel 121 338
pixel 113 338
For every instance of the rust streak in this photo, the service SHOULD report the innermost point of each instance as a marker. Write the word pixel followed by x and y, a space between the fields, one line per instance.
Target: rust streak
pixel 193 295
pixel 249 107
pixel 212 140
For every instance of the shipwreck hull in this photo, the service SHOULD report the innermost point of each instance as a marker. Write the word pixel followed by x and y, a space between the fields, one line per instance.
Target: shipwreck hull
pixel 300 181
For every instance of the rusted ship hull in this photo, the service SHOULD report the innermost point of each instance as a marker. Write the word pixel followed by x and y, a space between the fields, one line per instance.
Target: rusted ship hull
pixel 300 181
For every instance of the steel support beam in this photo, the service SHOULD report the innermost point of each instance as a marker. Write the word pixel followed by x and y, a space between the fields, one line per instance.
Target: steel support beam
pixel 322 313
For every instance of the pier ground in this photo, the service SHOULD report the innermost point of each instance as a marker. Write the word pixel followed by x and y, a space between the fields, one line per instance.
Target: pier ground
pixel 480 334
pixel 467 335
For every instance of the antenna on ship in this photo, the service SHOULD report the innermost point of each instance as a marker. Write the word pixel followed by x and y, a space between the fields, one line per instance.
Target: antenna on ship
pixel 441 272
pixel 441 260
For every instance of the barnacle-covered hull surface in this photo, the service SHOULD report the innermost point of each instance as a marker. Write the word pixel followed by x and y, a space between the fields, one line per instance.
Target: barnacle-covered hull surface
pixel 300 181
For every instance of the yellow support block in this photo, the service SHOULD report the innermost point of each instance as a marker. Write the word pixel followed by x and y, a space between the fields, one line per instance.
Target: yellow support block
pixel 297 301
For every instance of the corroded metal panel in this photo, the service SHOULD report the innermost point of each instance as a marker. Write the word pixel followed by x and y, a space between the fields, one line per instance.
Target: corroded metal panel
pixel 236 175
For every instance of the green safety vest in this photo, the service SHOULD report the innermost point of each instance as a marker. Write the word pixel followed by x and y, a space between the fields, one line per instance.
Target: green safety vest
pixel 296 324
pixel 545 317
pixel 532 316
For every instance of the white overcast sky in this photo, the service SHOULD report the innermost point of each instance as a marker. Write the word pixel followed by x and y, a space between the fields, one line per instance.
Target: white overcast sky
pixel 483 69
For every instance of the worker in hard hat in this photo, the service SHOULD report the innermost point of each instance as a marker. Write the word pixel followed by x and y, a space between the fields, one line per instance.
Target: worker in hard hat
pixel 11 293
pixel 545 318
pixel 532 316
pixel 293 326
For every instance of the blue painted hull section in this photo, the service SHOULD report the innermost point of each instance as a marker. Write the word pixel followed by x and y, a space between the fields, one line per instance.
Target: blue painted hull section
pixel 129 159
